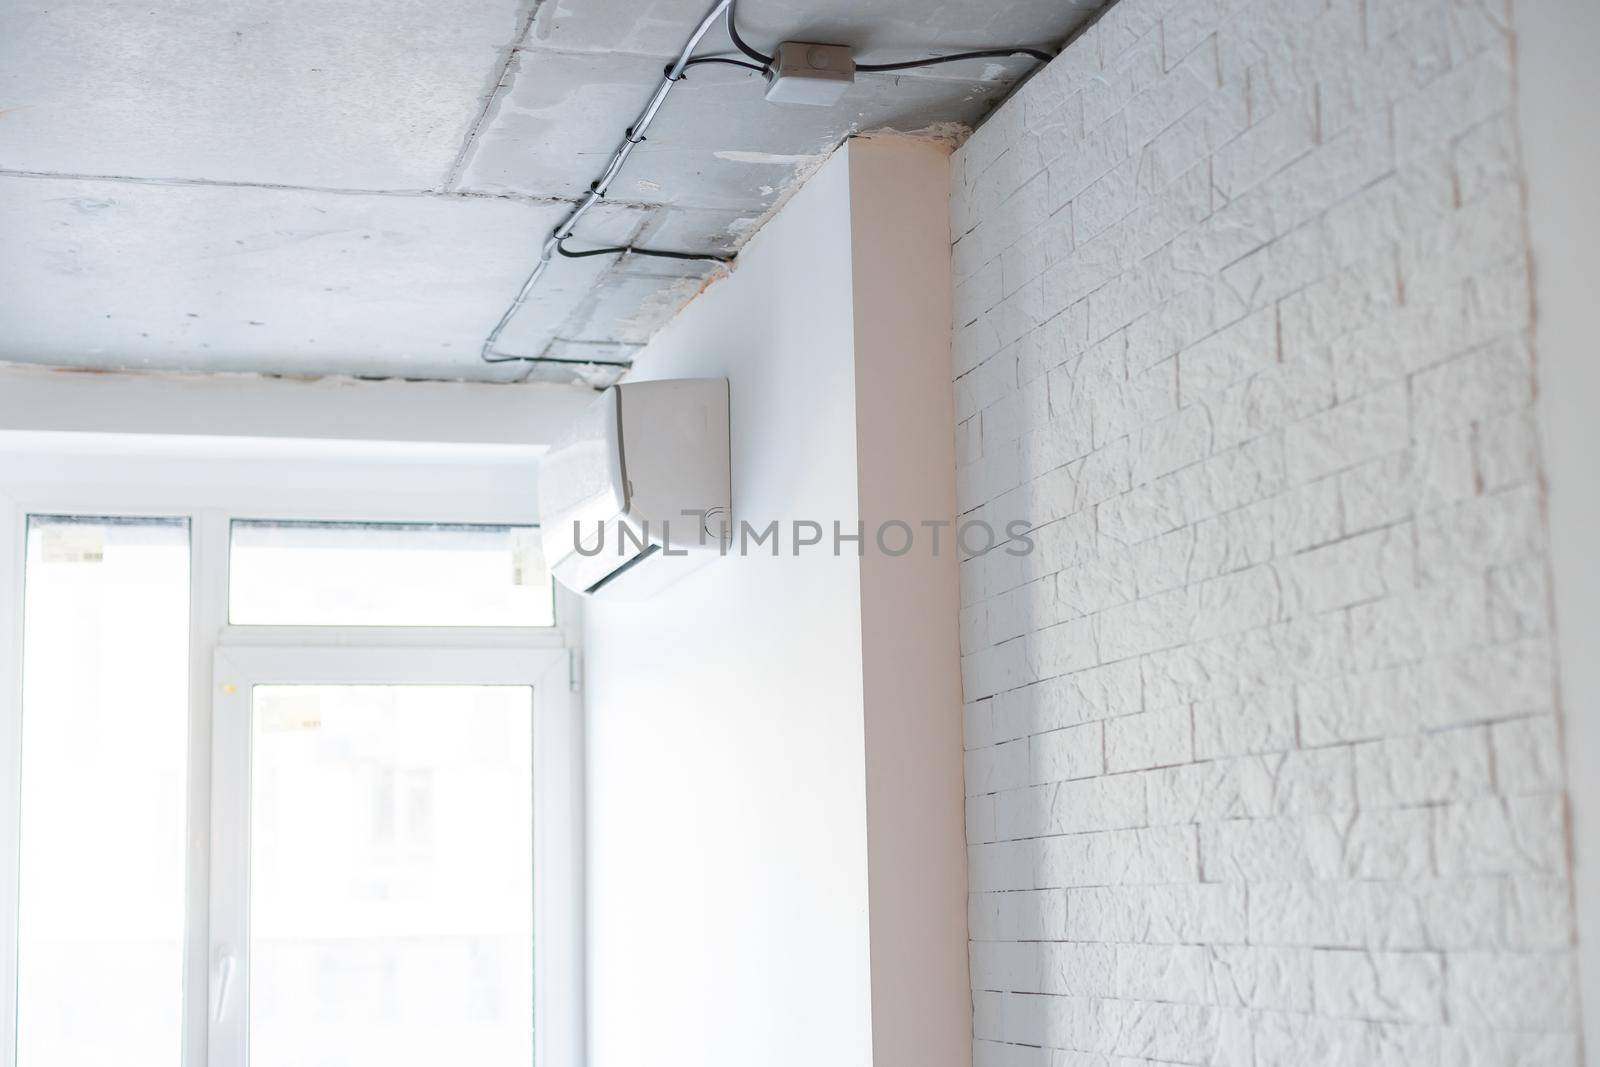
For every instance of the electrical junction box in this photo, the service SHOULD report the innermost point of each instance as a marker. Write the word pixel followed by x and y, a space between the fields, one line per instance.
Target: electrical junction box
pixel 815 74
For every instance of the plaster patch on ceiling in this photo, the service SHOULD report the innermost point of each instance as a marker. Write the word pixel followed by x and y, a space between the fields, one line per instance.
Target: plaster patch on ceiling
pixel 766 157
pixel 953 134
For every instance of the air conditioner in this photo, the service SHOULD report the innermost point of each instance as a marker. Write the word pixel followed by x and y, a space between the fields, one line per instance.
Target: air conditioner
pixel 636 495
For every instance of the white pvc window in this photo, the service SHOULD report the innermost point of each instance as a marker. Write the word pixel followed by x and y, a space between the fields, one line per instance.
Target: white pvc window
pixel 105 723
pixel 378 817
pixel 299 573
pixel 346 831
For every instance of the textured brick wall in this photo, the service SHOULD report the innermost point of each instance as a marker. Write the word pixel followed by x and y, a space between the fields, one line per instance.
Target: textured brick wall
pixel 1262 763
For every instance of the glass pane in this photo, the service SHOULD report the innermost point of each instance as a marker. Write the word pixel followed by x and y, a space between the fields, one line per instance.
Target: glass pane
pixel 383 574
pixel 104 748
pixel 391 900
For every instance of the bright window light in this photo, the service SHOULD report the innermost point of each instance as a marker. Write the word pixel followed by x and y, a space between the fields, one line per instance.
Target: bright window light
pixel 103 803
pixel 391 898
pixel 386 574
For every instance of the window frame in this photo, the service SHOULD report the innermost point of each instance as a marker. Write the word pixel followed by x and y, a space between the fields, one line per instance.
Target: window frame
pixel 331 631
pixel 559 1035
pixel 556 903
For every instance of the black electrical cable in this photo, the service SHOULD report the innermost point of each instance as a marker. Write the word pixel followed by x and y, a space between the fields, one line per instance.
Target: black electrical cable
pixel 728 60
pixel 617 250
pixel 987 53
pixel 739 42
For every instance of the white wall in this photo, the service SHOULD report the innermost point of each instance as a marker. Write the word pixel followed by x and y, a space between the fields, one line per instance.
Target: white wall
pixel 1557 82
pixel 1264 763
pixel 146 473
pixel 740 723
pixel 727 850
pixel 73 400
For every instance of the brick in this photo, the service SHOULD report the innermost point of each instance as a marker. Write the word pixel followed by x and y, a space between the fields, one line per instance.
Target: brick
pixel 1426 475
pixel 1423 768
pixel 1507 451
pixel 1027 915
pixel 1491 381
pixel 1477 1046
pixel 1265 148
pixel 1162 914
pixel 1085 696
pixel 1527 756
pixel 1513 991
pixel 1178 92
pixel 997 767
pixel 1430 327
pixel 1355 431
pixel 1267 402
pixel 1042 967
pixel 1485 158
pixel 1118 857
pixel 1152 739
pixel 1262 978
pixel 1231 354
pixel 1242 330
pixel 1356 569
pixel 1474 91
pixel 1515 835
pixel 1171 443
pixel 1481 235
pixel 1383 986
pixel 1070 808
pixel 1231 542
pixel 1353 845
pixel 1332 307
pixel 1537 913
pixel 980 820
pixel 1294 783
pixel 1490 531
pixel 1417 624
pixel 1176 973
pixel 1004 865
pixel 1261 721
pixel 1062 755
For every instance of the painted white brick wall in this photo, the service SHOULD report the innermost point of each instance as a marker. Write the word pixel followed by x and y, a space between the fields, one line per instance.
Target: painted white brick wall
pixel 1262 761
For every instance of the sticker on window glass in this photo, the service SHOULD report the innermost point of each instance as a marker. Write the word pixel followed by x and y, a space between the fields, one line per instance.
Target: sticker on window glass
pixel 527 557
pixel 72 542
pixel 284 709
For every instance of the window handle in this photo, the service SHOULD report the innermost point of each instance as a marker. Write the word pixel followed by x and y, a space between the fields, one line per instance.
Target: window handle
pixel 225 966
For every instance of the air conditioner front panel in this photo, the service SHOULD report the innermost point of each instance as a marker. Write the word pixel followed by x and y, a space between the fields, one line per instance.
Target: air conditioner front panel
pixel 581 480
pixel 647 458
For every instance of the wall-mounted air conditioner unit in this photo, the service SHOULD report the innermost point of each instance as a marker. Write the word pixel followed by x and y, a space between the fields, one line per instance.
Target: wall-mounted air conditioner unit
pixel 637 493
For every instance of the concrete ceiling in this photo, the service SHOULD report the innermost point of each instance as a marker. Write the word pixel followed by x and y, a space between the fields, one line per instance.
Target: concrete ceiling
pixel 318 187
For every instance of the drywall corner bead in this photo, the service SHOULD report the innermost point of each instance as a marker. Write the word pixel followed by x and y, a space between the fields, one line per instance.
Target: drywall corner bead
pixel 1270 710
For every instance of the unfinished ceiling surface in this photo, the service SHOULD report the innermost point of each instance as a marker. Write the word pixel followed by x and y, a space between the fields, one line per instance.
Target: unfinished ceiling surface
pixel 315 187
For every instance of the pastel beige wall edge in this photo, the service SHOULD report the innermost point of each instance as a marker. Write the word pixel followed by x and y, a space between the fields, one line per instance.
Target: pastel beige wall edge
pixel 905 440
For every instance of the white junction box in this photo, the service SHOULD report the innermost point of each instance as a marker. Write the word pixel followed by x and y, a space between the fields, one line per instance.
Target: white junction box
pixel 637 493
pixel 815 74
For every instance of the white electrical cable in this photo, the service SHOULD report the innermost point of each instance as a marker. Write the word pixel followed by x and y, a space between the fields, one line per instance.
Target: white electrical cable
pixel 597 190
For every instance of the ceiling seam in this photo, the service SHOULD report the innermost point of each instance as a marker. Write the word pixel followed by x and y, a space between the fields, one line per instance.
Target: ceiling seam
pixel 612 269
pixel 221 183
pixel 501 83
